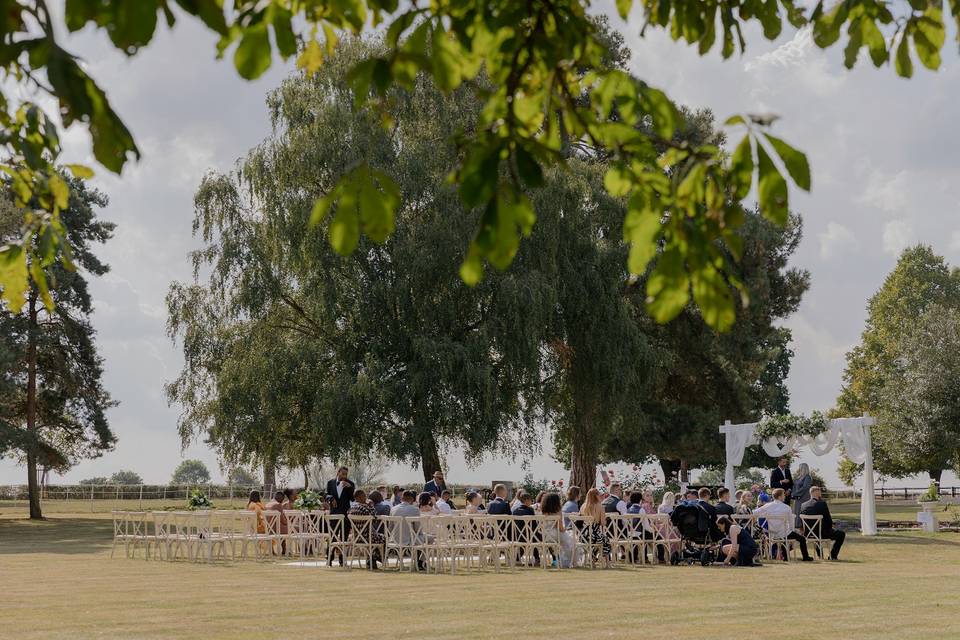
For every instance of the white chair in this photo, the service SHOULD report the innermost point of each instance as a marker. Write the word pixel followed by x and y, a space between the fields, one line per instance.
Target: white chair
pixel 812 530
pixel 584 546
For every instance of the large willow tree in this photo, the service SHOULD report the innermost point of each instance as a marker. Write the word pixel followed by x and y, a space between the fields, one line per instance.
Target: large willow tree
pixel 292 351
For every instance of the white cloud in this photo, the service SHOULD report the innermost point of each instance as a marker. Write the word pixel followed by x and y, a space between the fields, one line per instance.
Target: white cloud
pixel 835 240
pixel 955 241
pixel 897 236
pixel 887 192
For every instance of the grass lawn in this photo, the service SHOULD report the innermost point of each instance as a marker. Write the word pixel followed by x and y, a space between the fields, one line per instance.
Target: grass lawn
pixel 59 582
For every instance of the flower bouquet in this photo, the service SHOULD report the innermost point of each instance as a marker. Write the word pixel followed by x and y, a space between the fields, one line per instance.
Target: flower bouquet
pixel 199 500
pixel 308 500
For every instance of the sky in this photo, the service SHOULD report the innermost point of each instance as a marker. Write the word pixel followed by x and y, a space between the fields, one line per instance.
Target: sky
pixel 884 152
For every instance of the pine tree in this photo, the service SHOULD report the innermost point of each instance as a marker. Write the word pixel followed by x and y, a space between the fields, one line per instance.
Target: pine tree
pixel 52 400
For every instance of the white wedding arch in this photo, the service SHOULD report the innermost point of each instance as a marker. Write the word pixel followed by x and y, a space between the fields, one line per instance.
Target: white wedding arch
pixel 855 433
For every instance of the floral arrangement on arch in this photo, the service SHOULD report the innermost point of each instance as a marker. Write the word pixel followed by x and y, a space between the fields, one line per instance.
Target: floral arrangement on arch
pixel 199 500
pixel 308 500
pixel 790 426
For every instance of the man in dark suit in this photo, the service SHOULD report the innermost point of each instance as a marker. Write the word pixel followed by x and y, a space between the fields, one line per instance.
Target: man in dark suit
pixel 780 478
pixel 723 507
pixel 436 486
pixel 817 506
pixel 339 497
pixel 499 505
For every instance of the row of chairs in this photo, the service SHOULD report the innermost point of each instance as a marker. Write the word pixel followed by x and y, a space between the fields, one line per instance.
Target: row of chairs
pixel 438 543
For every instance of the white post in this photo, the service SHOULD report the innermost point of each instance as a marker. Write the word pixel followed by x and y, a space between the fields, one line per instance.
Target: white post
pixel 729 480
pixel 868 504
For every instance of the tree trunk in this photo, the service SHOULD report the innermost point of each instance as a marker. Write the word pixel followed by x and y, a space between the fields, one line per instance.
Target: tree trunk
pixel 269 478
pixel 670 468
pixel 429 457
pixel 306 478
pixel 935 475
pixel 583 465
pixel 32 487
pixel 684 471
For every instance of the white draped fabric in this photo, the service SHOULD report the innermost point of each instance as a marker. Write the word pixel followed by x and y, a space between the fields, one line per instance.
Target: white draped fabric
pixel 855 434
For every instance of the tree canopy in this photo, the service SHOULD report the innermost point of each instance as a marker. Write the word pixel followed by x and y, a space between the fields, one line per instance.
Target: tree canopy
pixel 534 63
pixel 190 472
pixel 898 356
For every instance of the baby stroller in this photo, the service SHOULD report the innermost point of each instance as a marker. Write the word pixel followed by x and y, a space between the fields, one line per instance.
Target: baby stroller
pixel 696 534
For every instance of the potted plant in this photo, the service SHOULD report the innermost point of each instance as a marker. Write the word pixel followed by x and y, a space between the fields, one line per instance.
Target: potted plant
pixel 929 500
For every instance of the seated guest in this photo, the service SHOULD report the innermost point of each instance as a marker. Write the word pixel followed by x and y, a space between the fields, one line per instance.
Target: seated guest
pixel 667 503
pixel 443 504
pixel 572 505
pixel 380 507
pixel 736 496
pixel 556 532
pixel 745 504
pixel 375 533
pixel 647 503
pixel 598 529
pixel 739 547
pixel 254 504
pixel 408 509
pixel 473 503
pixel 690 495
pixel 499 505
pixel 279 504
pixel 397 495
pixel 723 507
pixel 817 506
pixel 779 517
pixel 646 531
pixel 703 499
pixel 536 503
pixel 614 502
pixel 525 508
pixel 382 490
pixel 428 504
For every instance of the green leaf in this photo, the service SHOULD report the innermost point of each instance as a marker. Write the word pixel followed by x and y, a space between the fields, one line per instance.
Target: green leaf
pixel 311 58
pixel 13 276
pixel 478 179
pixel 902 63
pixel 345 226
pixel 668 290
pixel 471 271
pixel 874 40
pixel 209 11
pixel 133 24
pixel 772 190
pixel 664 113
pixel 79 171
pixel 283 31
pixel 446 58
pixel 618 181
pixel 795 161
pixel 641 228
pixel 623 8
pixel 60 191
pixel 712 294
pixel 741 168
pixel 321 207
pixel 252 57
pixel 852 49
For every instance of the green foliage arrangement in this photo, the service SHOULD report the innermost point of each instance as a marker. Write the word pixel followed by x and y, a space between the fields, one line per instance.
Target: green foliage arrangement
pixel 932 494
pixel 784 426
pixel 199 500
pixel 308 500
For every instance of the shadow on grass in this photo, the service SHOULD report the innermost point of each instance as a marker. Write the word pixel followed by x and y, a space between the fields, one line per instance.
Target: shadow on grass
pixel 59 536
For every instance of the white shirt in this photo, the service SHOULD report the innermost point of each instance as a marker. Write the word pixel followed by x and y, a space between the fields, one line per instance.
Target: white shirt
pixel 340 486
pixel 443 506
pixel 622 507
pixel 779 518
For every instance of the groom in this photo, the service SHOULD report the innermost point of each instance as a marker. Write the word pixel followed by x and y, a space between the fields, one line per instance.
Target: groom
pixel 781 479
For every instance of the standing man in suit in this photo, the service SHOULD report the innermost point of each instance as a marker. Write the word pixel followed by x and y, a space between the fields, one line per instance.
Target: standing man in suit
pixel 339 497
pixel 780 478
pixel 436 486
pixel 817 506
pixel 499 505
